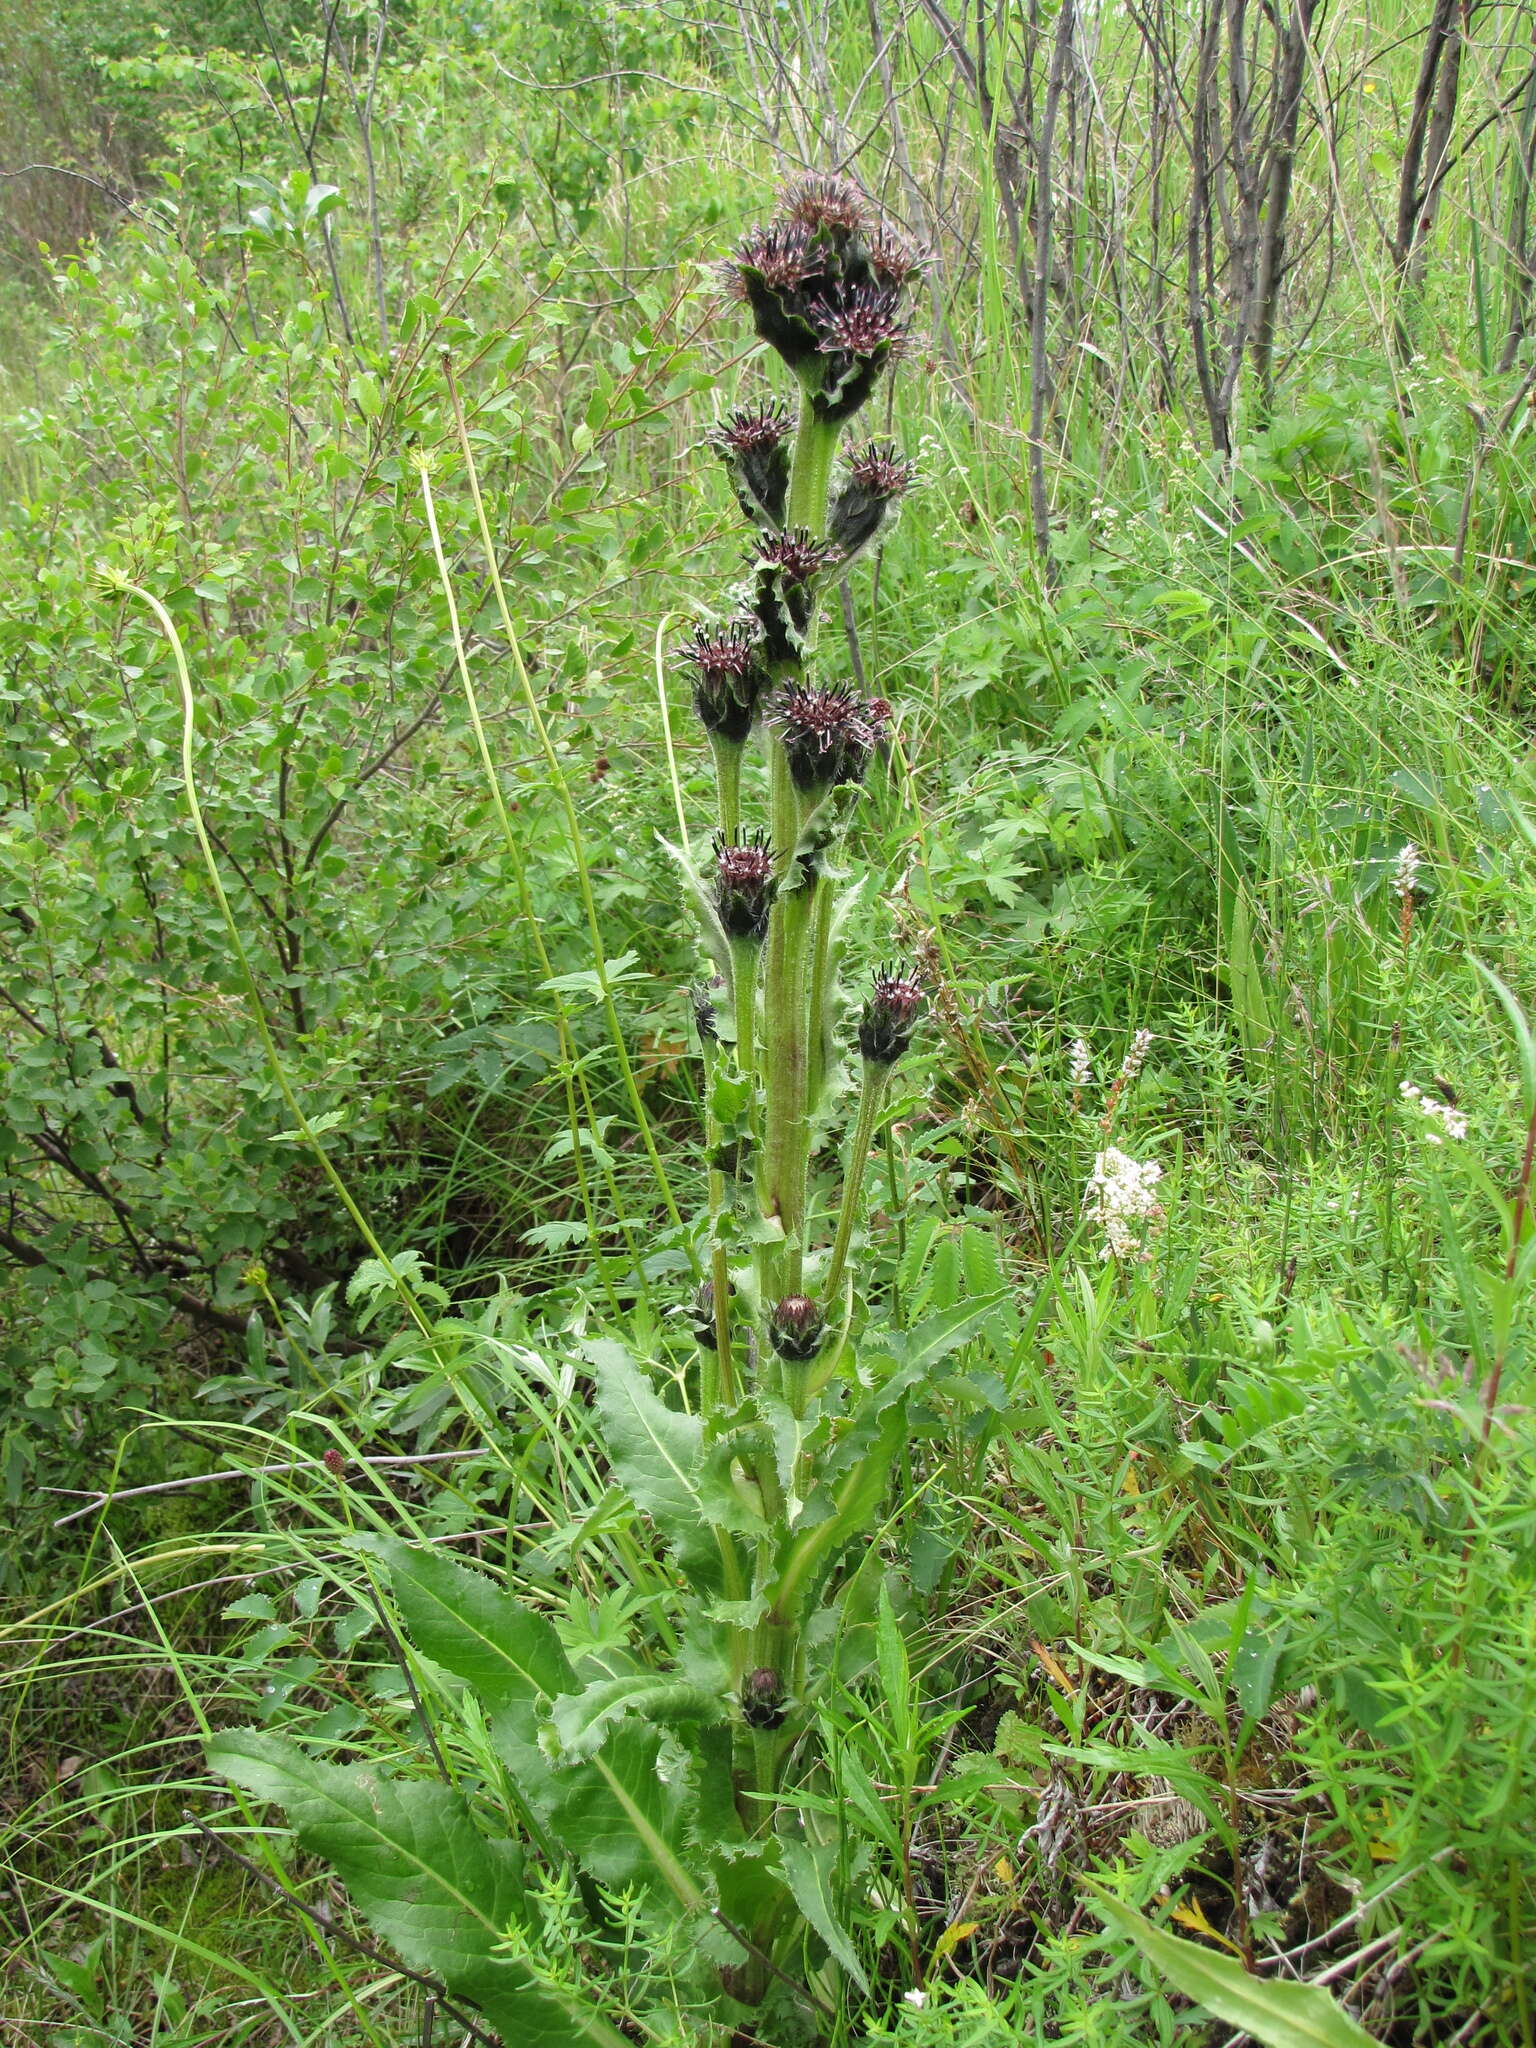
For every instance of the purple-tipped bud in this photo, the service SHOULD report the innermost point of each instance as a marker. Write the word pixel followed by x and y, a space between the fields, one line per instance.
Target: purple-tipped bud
pixel 701 1317
pixel 877 476
pixel 893 259
pixel 772 270
pixel 859 331
pixel 753 442
pixel 828 736
pixel 744 885
pixel 820 202
pixel 762 1699
pixel 333 1461
pixel 788 567
pixel 729 677
pixel 796 1329
pixel 706 1017
pixel 890 1016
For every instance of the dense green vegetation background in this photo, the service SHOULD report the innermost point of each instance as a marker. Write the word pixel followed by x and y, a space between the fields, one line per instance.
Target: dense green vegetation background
pixel 1155 762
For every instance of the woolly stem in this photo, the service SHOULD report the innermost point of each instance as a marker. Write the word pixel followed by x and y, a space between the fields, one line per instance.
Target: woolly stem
pixel 877 1080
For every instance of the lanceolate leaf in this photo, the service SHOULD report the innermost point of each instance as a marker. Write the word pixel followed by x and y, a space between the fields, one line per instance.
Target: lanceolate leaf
pixel 656 1452
pixel 918 1351
pixel 592 1807
pixel 807 1871
pixel 423 1874
pixel 465 1622
pixel 581 1720
pixel 1279 2014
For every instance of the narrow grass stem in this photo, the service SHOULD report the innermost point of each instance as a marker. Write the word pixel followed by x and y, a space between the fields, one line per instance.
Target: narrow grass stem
pixel 570 1065
pixel 560 784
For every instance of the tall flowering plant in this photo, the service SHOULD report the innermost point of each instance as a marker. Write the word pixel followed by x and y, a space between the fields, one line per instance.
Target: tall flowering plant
pixel 681 1772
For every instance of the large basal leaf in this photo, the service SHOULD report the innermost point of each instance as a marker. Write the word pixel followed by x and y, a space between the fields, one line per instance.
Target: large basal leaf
pixel 421 1872
pixel 580 1721
pixel 1279 2014
pixel 614 1810
pixel 468 1624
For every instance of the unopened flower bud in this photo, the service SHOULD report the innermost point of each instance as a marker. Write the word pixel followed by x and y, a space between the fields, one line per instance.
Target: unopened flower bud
pixel 788 566
pixel 333 1461
pixel 762 1699
pixel 890 1016
pixel 877 476
pixel 828 736
pixel 744 885
pixel 754 443
pixel 729 677
pixel 796 1329
pixel 706 1017
pixel 701 1316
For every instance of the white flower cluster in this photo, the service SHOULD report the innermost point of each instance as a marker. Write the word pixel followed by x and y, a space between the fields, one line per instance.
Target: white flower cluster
pixel 1082 1064
pixel 1405 870
pixel 1453 1124
pixel 1121 1201
pixel 1135 1058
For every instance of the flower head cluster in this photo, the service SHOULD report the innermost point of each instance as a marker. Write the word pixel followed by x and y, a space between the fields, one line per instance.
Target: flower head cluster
pixel 828 735
pixel 1445 1120
pixel 1135 1057
pixel 754 442
pixel 878 475
pixel 826 286
pixel 1405 870
pixel 1082 1064
pixel 1122 1202
pixel 744 885
pixel 890 1016
pixel 730 679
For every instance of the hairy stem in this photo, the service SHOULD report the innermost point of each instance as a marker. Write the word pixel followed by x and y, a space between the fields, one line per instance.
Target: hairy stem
pixel 871 1103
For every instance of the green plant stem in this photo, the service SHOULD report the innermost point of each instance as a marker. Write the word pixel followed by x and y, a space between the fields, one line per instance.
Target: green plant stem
pixel 785 1042
pixel 810 476
pixel 728 779
pixel 877 1080
pixel 820 1022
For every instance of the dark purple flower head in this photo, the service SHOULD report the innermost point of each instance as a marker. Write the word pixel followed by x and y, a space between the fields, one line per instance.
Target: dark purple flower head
pixel 893 259
pixel 744 885
pixel 753 442
pixel 828 735
pixel 780 256
pixel 762 1699
pixel 859 332
pixel 881 469
pixel 890 1015
pixel 877 476
pixel 729 677
pixel 825 285
pixel 817 202
pixel 333 1461
pixel 701 1316
pixel 788 566
pixel 796 1329
pixel 859 322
